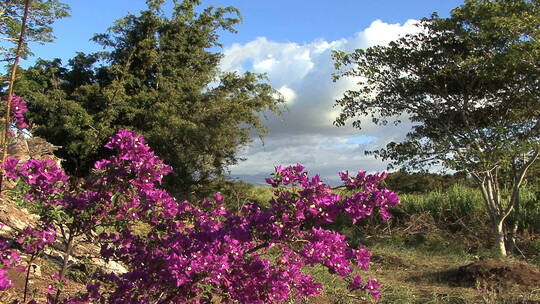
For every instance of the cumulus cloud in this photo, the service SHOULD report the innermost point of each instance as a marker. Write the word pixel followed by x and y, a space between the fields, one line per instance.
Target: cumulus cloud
pixel 288 94
pixel 305 133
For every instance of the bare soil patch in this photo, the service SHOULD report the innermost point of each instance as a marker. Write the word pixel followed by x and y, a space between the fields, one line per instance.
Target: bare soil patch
pixel 390 260
pixel 494 274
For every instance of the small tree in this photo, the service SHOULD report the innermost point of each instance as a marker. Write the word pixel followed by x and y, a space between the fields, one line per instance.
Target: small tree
pixel 190 254
pixel 20 22
pixel 469 84
pixel 41 15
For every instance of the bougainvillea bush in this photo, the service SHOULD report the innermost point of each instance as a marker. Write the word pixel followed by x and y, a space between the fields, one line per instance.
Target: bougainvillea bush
pixel 194 253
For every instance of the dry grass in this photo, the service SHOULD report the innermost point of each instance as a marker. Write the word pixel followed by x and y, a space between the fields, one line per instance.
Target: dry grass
pixel 414 275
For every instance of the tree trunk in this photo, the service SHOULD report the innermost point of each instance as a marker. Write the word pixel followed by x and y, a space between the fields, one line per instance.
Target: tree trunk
pixel 18 53
pixel 67 255
pixel 515 200
pixel 515 223
pixel 501 238
pixel 496 212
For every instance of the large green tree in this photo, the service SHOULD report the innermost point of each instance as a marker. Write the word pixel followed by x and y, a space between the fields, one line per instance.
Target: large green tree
pixel 159 74
pixel 470 86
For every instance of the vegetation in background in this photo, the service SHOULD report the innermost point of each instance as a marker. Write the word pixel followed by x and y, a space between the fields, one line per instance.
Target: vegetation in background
pixel 421 182
pixel 158 75
pixel 426 220
pixel 469 83
pixel 465 206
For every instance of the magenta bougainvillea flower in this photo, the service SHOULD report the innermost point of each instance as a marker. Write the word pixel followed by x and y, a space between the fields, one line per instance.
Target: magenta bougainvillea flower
pixel 189 252
pixel 19 108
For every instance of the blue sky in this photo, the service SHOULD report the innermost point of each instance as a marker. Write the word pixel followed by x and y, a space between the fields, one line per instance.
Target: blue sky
pixel 298 21
pixel 291 41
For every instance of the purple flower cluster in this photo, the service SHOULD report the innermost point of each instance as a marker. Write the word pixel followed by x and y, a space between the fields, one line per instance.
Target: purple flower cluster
pixel 19 108
pixel 8 259
pixel 33 240
pixel 319 203
pixel 46 180
pixel 362 204
pixel 134 160
pixel 193 253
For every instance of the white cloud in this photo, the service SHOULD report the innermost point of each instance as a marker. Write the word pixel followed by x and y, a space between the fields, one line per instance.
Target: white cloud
pixel 264 65
pixel 381 33
pixel 288 94
pixel 306 134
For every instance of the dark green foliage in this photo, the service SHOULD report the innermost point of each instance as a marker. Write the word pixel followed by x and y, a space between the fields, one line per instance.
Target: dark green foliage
pixel 158 76
pixel 533 177
pixel 404 182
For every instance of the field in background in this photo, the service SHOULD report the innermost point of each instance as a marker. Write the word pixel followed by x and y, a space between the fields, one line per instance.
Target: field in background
pixel 436 249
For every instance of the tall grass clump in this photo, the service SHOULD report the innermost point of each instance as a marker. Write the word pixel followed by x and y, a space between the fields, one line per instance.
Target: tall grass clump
pixel 530 212
pixel 459 202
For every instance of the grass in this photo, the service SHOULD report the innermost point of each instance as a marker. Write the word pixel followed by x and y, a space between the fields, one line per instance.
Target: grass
pixel 465 204
pixel 412 271
pixel 430 234
pixel 458 203
pixel 450 205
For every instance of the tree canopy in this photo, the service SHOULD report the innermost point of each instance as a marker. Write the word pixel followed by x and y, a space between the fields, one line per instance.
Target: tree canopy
pixel 469 84
pixel 158 75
